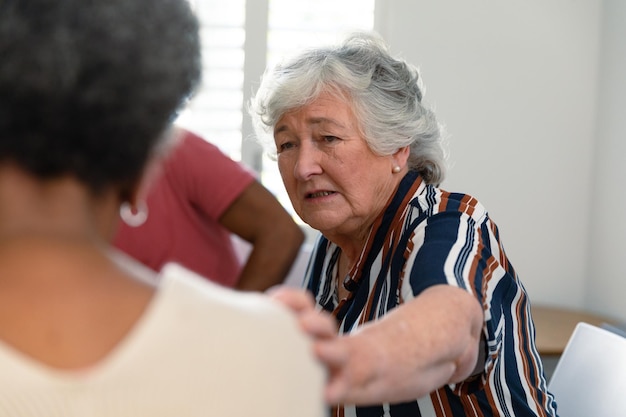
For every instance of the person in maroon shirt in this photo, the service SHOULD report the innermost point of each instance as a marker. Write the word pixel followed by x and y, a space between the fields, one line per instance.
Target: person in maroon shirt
pixel 195 200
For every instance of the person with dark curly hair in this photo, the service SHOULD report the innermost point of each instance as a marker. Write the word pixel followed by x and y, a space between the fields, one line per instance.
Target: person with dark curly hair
pixel 88 92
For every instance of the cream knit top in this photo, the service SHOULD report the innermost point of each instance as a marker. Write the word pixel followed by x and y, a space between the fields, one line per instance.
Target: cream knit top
pixel 199 350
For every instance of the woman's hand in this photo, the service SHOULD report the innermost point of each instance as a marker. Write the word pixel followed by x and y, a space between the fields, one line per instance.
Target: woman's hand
pixel 415 349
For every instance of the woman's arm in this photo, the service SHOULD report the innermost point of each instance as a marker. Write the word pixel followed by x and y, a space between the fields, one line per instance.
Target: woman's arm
pixel 413 350
pixel 258 217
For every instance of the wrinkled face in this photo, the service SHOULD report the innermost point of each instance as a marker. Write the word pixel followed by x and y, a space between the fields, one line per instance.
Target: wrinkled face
pixel 335 182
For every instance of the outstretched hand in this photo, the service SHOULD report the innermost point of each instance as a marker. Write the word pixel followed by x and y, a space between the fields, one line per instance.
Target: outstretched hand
pixel 349 366
pixel 398 357
pixel 354 362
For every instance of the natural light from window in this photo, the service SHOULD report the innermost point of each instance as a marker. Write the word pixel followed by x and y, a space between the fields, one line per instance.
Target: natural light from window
pixel 217 111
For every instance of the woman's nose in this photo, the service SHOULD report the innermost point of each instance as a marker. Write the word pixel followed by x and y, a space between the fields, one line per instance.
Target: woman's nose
pixel 308 161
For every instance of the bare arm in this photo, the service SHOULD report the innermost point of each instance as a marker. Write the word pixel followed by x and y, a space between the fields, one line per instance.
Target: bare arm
pixel 416 348
pixel 257 217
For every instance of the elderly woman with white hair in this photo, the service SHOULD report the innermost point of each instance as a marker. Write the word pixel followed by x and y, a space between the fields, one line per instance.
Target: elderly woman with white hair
pixel 433 319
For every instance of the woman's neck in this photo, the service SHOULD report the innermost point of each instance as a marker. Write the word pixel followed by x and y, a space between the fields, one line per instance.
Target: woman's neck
pixel 61 209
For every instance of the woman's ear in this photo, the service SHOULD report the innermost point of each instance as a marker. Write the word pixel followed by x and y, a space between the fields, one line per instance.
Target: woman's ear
pixel 132 195
pixel 135 195
pixel 133 209
pixel 401 156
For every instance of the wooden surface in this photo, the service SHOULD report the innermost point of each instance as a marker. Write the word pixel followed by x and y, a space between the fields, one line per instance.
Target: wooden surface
pixel 555 325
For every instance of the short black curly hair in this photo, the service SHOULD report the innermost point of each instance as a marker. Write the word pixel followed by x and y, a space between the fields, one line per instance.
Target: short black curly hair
pixel 88 86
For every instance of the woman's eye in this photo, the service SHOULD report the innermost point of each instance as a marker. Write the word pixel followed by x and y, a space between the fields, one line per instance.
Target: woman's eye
pixel 330 139
pixel 285 146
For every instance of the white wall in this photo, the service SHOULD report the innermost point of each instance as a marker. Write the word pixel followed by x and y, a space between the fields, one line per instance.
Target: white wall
pixel 515 84
pixel 606 275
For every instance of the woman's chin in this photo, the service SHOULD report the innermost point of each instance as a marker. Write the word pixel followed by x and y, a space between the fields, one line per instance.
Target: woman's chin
pixel 323 224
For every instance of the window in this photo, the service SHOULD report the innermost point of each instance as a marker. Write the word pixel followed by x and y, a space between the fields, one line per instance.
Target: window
pixel 216 110
pixel 240 39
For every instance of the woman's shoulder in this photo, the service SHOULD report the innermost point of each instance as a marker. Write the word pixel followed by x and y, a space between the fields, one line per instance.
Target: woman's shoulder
pixel 260 332
pixel 434 200
pixel 247 315
pixel 188 288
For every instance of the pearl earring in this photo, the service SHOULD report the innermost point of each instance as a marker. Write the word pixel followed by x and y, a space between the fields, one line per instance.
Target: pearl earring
pixel 396 169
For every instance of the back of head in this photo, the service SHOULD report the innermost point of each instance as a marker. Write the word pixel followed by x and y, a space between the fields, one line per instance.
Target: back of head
pixel 384 91
pixel 88 86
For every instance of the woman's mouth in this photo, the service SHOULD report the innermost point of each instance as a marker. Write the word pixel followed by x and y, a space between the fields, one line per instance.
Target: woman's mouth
pixel 319 194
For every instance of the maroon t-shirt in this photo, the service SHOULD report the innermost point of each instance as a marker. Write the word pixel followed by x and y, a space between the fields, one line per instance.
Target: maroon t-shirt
pixel 195 185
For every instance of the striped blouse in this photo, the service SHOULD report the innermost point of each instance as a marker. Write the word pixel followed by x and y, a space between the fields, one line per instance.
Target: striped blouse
pixel 427 236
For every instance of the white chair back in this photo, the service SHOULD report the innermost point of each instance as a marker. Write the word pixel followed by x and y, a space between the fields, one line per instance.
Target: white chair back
pixel 590 378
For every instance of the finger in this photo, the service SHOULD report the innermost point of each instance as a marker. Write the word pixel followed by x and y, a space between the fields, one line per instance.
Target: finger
pixel 336 390
pixel 296 300
pixel 336 359
pixel 333 353
pixel 318 324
